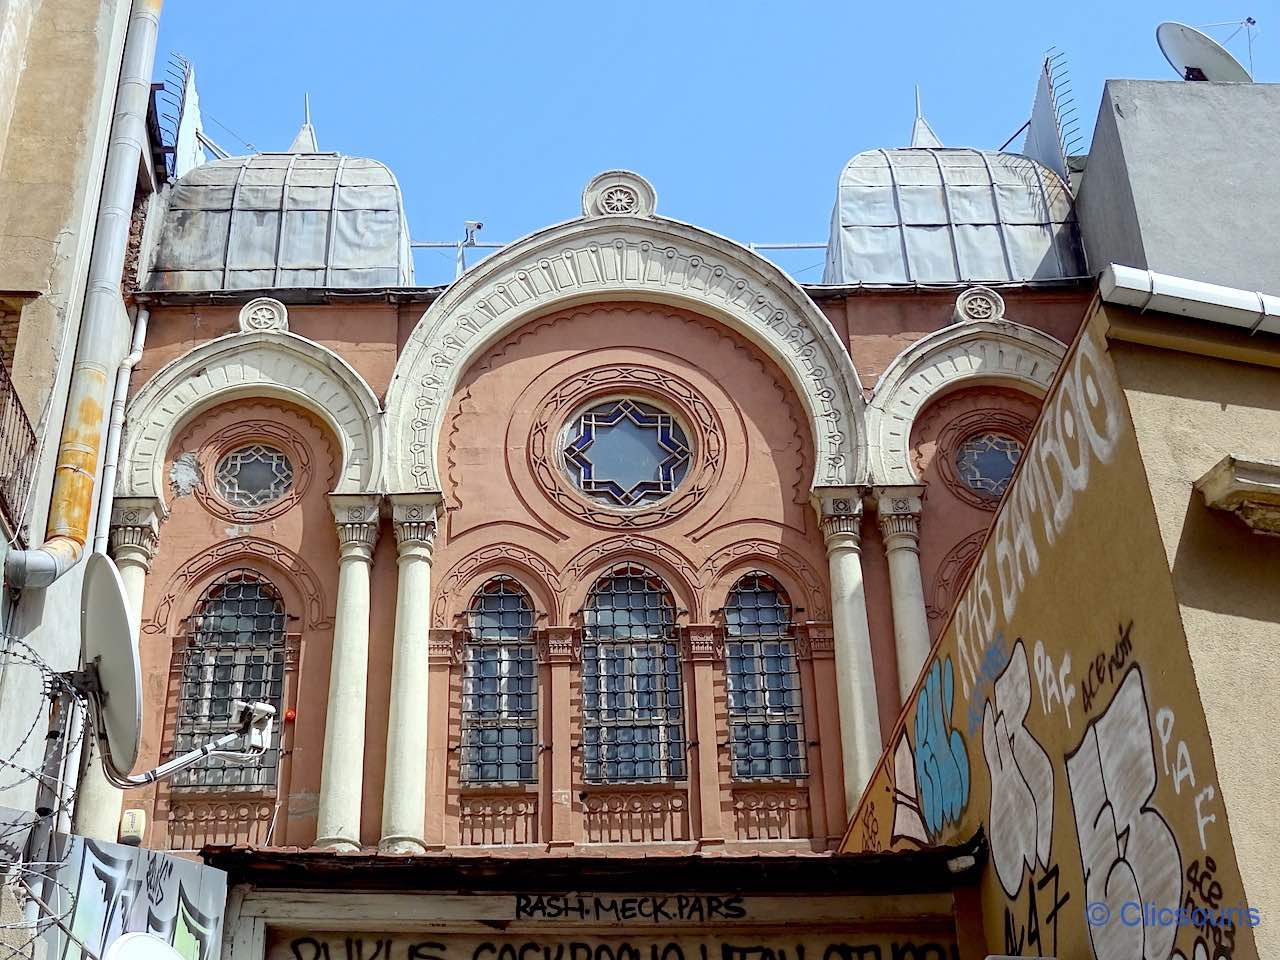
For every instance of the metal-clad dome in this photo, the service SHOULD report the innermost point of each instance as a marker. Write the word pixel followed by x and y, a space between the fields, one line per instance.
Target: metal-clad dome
pixel 948 215
pixel 284 220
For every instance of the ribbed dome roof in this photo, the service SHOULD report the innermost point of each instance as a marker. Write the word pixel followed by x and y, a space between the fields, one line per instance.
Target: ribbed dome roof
pixel 946 215
pixel 284 220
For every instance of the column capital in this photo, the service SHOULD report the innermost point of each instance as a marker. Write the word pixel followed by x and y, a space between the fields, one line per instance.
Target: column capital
pixel 898 509
pixel 135 529
pixel 839 512
pixel 356 515
pixel 445 645
pixel 559 645
pixel 703 642
pixel 413 517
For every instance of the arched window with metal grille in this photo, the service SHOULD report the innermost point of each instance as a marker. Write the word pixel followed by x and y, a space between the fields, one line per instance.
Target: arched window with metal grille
pixel 766 725
pixel 235 650
pixel 499 687
pixel 633 714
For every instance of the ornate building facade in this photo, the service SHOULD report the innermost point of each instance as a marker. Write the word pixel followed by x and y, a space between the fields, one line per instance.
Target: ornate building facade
pixel 622 545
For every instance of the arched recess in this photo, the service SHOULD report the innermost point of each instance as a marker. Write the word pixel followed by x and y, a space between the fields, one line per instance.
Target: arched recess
pixel 270 363
pixel 633 256
pixel 964 354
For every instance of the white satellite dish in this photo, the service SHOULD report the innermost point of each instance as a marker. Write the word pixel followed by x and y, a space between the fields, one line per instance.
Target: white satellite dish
pixel 140 946
pixel 107 637
pixel 1198 57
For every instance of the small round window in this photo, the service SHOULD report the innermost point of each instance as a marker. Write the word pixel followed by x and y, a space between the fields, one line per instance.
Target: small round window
pixel 985 462
pixel 253 476
pixel 626 453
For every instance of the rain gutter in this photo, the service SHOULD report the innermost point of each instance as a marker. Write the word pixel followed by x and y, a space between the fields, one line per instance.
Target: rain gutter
pixel 1145 290
pixel 76 471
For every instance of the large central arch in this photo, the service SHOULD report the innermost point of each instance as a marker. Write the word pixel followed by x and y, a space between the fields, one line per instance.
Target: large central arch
pixel 629 255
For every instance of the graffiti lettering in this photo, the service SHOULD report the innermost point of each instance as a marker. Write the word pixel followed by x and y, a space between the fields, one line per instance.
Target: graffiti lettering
pixel 942 762
pixel 1127 849
pixel 1021 777
pixel 993 661
pixel 1205 892
pixel 1105 666
pixel 1181 769
pixel 159 870
pixel 1026 934
pixel 1053 683
pixel 311 948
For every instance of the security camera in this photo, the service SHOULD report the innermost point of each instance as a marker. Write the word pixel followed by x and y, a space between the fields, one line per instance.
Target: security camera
pixel 473 225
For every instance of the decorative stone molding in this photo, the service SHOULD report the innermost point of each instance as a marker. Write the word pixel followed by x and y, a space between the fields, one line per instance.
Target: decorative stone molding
pixel 951 574
pixel 535 570
pixel 498 818
pixel 977 351
pixel 898 511
pixel 635 816
pixel 979 303
pixel 274 433
pixel 961 428
pixel 741 554
pixel 445 646
pixel 268 363
pixel 263 313
pixel 816 641
pixel 771 811
pixel 624 258
pixel 135 530
pixel 619 193
pixel 1248 488
pixel 357 518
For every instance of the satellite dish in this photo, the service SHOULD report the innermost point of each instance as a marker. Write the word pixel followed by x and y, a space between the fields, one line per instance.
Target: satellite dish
pixel 1198 57
pixel 107 636
pixel 140 946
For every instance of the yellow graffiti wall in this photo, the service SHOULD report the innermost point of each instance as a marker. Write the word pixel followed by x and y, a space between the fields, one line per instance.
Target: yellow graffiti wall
pixel 1059 714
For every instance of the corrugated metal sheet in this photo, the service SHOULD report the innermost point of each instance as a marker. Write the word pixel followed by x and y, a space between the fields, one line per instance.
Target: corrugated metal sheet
pixel 284 220
pixel 941 215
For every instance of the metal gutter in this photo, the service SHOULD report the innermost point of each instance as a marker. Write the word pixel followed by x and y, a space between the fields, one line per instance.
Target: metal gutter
pixel 76 471
pixel 1146 290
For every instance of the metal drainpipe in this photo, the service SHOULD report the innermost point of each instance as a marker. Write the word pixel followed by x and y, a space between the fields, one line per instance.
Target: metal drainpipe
pixel 112 461
pixel 77 465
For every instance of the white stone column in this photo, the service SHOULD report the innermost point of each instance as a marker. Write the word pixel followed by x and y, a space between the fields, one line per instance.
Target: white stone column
pixel 134 537
pixel 840 515
pixel 899 512
pixel 342 775
pixel 404 797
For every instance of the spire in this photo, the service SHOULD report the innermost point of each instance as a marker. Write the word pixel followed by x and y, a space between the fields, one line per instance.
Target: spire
pixel 922 134
pixel 305 141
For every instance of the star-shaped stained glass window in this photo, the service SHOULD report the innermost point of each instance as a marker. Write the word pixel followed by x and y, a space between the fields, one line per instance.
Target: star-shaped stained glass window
pixel 985 462
pixel 626 453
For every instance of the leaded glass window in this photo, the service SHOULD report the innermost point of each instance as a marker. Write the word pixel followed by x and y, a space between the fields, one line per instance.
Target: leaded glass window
pixel 985 462
pixel 499 687
pixel 633 719
pixel 235 650
pixel 766 725
pixel 253 476
pixel 626 453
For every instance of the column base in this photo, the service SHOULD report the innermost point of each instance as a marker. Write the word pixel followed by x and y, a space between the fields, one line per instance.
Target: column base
pixel 402 846
pixel 338 844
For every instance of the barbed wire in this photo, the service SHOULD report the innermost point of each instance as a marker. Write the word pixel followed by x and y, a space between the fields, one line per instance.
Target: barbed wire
pixel 35 898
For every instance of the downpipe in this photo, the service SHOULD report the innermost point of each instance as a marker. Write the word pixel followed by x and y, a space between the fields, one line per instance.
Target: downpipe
pixel 75 473
pixel 111 465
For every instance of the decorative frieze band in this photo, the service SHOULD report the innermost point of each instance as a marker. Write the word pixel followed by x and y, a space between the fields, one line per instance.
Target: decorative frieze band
pixel 135 529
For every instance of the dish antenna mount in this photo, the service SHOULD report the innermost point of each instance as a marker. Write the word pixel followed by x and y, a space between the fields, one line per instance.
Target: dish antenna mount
pixel 1196 56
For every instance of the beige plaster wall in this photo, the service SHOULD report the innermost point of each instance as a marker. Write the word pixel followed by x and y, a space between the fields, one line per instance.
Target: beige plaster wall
pixel 1189 412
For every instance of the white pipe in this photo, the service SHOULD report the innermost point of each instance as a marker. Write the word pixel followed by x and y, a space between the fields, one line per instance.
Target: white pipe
pixel 76 472
pixel 111 463
pixel 1147 290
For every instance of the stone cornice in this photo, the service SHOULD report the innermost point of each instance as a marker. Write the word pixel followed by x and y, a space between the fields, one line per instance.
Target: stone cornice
pixel 1248 488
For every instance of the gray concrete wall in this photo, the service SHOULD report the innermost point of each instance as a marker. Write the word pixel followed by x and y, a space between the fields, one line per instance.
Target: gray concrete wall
pixel 1181 179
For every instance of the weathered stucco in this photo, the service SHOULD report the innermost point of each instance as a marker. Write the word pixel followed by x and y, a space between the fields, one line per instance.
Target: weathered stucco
pixel 1189 412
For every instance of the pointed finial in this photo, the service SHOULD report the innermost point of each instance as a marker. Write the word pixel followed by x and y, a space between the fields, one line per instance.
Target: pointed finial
pixel 922 134
pixel 306 106
pixel 305 141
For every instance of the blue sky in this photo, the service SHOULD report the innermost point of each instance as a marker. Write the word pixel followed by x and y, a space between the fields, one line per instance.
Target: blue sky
pixel 741 114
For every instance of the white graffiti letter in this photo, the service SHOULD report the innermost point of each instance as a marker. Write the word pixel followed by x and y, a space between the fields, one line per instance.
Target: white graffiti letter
pixel 1021 778
pixel 1126 848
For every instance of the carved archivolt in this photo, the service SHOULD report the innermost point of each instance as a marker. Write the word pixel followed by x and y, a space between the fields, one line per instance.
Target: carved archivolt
pixel 614 258
pixel 815 606
pixel 453 584
pixel 978 351
pixel 699 418
pixel 198 568
pixel 270 363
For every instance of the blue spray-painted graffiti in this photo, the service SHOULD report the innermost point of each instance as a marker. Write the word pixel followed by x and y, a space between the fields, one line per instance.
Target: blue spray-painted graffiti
pixel 942 762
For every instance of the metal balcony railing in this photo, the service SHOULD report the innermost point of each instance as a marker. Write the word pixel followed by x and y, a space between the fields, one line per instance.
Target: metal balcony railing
pixel 17 456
